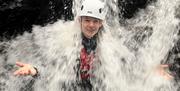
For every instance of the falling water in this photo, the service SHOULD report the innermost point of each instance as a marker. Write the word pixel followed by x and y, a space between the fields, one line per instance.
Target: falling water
pixel 126 61
pixel 160 27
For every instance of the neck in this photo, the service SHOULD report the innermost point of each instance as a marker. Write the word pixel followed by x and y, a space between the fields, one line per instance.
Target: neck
pixel 89 44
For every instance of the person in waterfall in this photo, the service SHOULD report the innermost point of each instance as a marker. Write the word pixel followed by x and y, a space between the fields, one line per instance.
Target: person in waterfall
pixel 91 19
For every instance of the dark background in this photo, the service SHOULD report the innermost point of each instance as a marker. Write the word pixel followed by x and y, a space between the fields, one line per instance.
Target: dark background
pixel 17 16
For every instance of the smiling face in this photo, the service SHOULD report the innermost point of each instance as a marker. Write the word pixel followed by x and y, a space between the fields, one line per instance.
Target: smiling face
pixel 90 26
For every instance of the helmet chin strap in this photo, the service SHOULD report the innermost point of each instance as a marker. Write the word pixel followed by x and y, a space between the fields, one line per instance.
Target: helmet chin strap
pixel 80 21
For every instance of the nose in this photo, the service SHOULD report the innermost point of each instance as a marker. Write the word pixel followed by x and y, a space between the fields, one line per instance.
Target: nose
pixel 91 24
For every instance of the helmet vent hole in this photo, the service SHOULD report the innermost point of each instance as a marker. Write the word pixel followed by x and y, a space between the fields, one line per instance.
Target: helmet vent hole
pixel 100 10
pixel 82 7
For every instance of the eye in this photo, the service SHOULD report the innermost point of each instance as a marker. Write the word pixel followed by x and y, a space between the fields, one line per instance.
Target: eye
pixel 96 21
pixel 87 20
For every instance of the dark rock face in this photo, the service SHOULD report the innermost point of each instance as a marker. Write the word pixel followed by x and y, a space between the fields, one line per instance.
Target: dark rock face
pixel 130 7
pixel 174 60
pixel 18 16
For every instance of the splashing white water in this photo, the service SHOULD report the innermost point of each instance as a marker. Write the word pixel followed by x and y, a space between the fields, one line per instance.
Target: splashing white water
pixel 53 49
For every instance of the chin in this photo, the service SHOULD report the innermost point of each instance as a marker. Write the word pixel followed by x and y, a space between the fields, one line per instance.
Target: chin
pixel 89 36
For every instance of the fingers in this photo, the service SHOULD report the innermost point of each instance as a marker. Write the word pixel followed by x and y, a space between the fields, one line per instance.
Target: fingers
pixel 162 72
pixel 22 72
pixel 25 69
pixel 164 65
pixel 20 64
pixel 168 76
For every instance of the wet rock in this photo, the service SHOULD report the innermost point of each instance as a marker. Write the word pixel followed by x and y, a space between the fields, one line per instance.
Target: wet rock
pixel 18 16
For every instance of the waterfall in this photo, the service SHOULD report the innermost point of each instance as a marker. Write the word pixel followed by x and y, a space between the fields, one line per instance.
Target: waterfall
pixel 127 55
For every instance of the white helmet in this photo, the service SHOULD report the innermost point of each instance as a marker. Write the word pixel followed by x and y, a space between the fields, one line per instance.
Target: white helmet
pixel 93 8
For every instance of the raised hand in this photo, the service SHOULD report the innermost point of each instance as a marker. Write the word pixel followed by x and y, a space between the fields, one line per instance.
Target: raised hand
pixel 25 69
pixel 161 71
